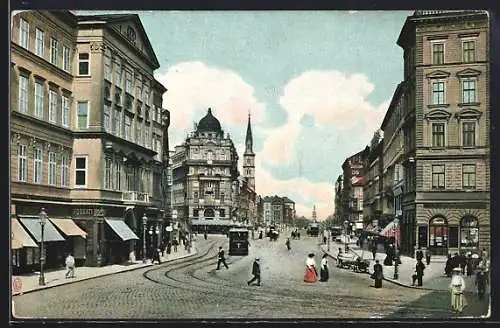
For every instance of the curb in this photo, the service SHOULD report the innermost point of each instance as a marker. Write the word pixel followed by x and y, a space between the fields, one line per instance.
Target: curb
pixel 102 275
pixel 391 280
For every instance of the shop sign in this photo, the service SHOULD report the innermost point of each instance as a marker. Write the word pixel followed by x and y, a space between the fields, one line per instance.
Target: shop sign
pixel 99 212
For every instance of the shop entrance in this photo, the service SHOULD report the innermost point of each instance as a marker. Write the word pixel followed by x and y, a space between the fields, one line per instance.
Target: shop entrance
pixel 438 236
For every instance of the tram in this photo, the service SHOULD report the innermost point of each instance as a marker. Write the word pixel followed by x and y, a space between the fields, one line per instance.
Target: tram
pixel 238 241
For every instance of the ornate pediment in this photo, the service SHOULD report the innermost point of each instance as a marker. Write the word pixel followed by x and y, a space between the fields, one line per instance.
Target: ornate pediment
pixel 468 72
pixel 438 74
pixel 437 114
pixel 469 113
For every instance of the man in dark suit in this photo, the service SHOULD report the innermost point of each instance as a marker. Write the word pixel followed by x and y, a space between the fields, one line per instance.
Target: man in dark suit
pixel 378 274
pixel 221 258
pixel 255 272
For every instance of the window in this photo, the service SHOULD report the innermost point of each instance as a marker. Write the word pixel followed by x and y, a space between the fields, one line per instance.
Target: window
pixel 222 197
pixel 81 171
pixel 107 118
pixel 469 51
pixel 147 141
pixel 37 177
pixel 438 93
pixel 67 59
pixel 107 68
pixel 128 82
pixel 108 173
pixel 468 134
pixel 127 127
pixel 83 112
pixel 24 33
pixel 118 175
pixel 139 137
pixel 469 176
pixel 39 101
pixel 52 106
pixel 118 123
pixel 438 177
pixel 64 170
pixel 39 36
pixel 22 162
pixel 23 94
pixel 469 232
pixel 66 105
pixel 84 64
pixel 438 134
pixel 469 91
pixel 222 213
pixel 52 168
pixel 437 53
pixel 118 73
pixel 53 51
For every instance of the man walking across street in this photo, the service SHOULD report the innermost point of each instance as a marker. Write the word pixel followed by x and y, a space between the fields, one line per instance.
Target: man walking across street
pixel 419 273
pixel 255 272
pixel 378 274
pixel 70 266
pixel 221 258
pixel 481 282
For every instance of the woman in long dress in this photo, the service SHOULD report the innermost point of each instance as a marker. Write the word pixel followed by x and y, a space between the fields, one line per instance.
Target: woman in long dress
pixel 457 287
pixel 311 274
pixel 324 268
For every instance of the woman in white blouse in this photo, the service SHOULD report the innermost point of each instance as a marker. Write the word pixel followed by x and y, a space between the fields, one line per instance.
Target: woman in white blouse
pixel 457 287
pixel 311 274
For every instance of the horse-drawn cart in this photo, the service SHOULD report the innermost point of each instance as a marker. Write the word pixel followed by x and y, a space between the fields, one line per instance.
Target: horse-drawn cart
pixel 353 261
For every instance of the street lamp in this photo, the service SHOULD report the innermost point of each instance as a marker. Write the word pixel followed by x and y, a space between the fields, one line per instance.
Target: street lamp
pixel 42 221
pixel 396 250
pixel 144 222
pixel 346 224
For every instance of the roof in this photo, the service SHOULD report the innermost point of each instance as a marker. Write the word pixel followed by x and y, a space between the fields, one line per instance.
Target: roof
pixel 209 123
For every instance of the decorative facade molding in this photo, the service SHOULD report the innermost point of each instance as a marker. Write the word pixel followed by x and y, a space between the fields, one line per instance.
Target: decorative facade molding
pixel 437 114
pixel 97 47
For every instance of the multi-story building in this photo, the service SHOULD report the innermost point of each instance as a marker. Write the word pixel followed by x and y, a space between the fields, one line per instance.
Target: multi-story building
pixel 278 211
pixel 205 177
pixel 339 186
pixel 446 124
pixel 393 151
pixel 87 129
pixel 372 189
pixel 352 193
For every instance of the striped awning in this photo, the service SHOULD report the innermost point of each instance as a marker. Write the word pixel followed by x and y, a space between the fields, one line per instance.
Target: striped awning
pixel 20 237
pixel 121 229
pixel 392 230
pixel 50 232
pixel 69 227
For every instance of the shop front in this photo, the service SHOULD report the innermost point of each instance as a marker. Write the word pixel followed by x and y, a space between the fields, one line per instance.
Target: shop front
pixel 21 244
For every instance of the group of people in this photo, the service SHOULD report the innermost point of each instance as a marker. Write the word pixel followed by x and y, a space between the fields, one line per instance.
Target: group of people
pixel 311 274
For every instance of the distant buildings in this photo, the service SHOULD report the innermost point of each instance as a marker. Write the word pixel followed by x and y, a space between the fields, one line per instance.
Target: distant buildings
pixel 278 210
pixel 352 192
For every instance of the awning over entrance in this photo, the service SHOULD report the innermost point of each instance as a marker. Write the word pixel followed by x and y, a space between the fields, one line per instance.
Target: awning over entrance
pixel 121 229
pixel 392 230
pixel 20 237
pixel 69 227
pixel 50 232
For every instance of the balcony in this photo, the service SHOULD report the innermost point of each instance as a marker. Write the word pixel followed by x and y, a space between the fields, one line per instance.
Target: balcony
pixel 135 197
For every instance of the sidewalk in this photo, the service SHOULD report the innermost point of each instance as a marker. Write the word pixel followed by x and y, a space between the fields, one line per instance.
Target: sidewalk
pixel 29 282
pixel 433 279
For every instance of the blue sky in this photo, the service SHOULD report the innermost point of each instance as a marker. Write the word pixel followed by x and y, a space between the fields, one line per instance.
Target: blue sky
pixel 317 84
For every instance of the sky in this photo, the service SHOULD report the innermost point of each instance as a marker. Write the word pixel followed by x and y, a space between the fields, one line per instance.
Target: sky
pixel 317 85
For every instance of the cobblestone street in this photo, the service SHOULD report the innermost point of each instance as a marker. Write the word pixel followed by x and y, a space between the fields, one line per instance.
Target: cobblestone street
pixel 192 288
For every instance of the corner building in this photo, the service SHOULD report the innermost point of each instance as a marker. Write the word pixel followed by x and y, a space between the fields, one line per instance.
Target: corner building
pixel 446 128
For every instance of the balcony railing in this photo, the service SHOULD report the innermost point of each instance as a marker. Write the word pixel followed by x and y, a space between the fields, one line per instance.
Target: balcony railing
pixel 135 196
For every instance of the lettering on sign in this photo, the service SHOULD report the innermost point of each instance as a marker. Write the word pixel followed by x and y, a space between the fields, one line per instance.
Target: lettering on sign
pixel 99 212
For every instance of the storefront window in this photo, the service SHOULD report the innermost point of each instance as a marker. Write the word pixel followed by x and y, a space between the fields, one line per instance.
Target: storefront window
pixel 453 242
pixel 469 232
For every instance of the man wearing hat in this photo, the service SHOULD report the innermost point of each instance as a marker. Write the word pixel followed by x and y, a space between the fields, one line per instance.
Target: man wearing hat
pixel 481 281
pixel 457 287
pixel 255 272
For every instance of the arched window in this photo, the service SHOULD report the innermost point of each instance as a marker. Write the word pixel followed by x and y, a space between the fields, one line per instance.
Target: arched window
pixel 209 213
pixel 469 232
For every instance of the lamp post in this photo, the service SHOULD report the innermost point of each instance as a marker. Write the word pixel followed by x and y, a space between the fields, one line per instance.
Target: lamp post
pixel 144 222
pixel 42 221
pixel 329 236
pixel 396 250
pixel 346 224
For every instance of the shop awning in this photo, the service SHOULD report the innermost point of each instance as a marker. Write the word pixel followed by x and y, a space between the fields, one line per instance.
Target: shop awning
pixel 69 227
pixel 121 229
pixel 392 230
pixel 50 232
pixel 20 237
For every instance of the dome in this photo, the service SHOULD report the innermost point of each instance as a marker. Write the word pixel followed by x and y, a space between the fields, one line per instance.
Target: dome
pixel 209 123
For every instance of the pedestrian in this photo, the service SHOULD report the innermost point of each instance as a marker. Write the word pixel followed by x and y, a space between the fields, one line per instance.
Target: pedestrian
pixel 324 240
pixel 70 266
pixel 311 274
pixel 448 268
pixel 175 243
pixel 287 243
pixel 169 247
pixel 378 274
pixel 156 256
pixel 324 268
pixel 468 264
pixel 339 258
pixel 255 272
pixel 457 287
pixel 260 234
pixel 463 262
pixel 221 258
pixel 419 255
pixel 428 257
pixel 419 273
pixel 205 235
pixel 374 249
pixel 481 281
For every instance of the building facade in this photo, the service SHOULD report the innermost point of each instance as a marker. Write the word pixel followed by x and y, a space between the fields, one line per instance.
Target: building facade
pixel 352 193
pixel 373 186
pixel 278 211
pixel 205 177
pixel 446 125
pixel 339 186
pixel 86 117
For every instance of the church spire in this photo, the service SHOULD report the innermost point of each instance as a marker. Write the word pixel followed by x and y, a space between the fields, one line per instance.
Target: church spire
pixel 249 138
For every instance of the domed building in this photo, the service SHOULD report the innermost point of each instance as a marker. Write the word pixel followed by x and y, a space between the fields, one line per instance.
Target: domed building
pixel 205 178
